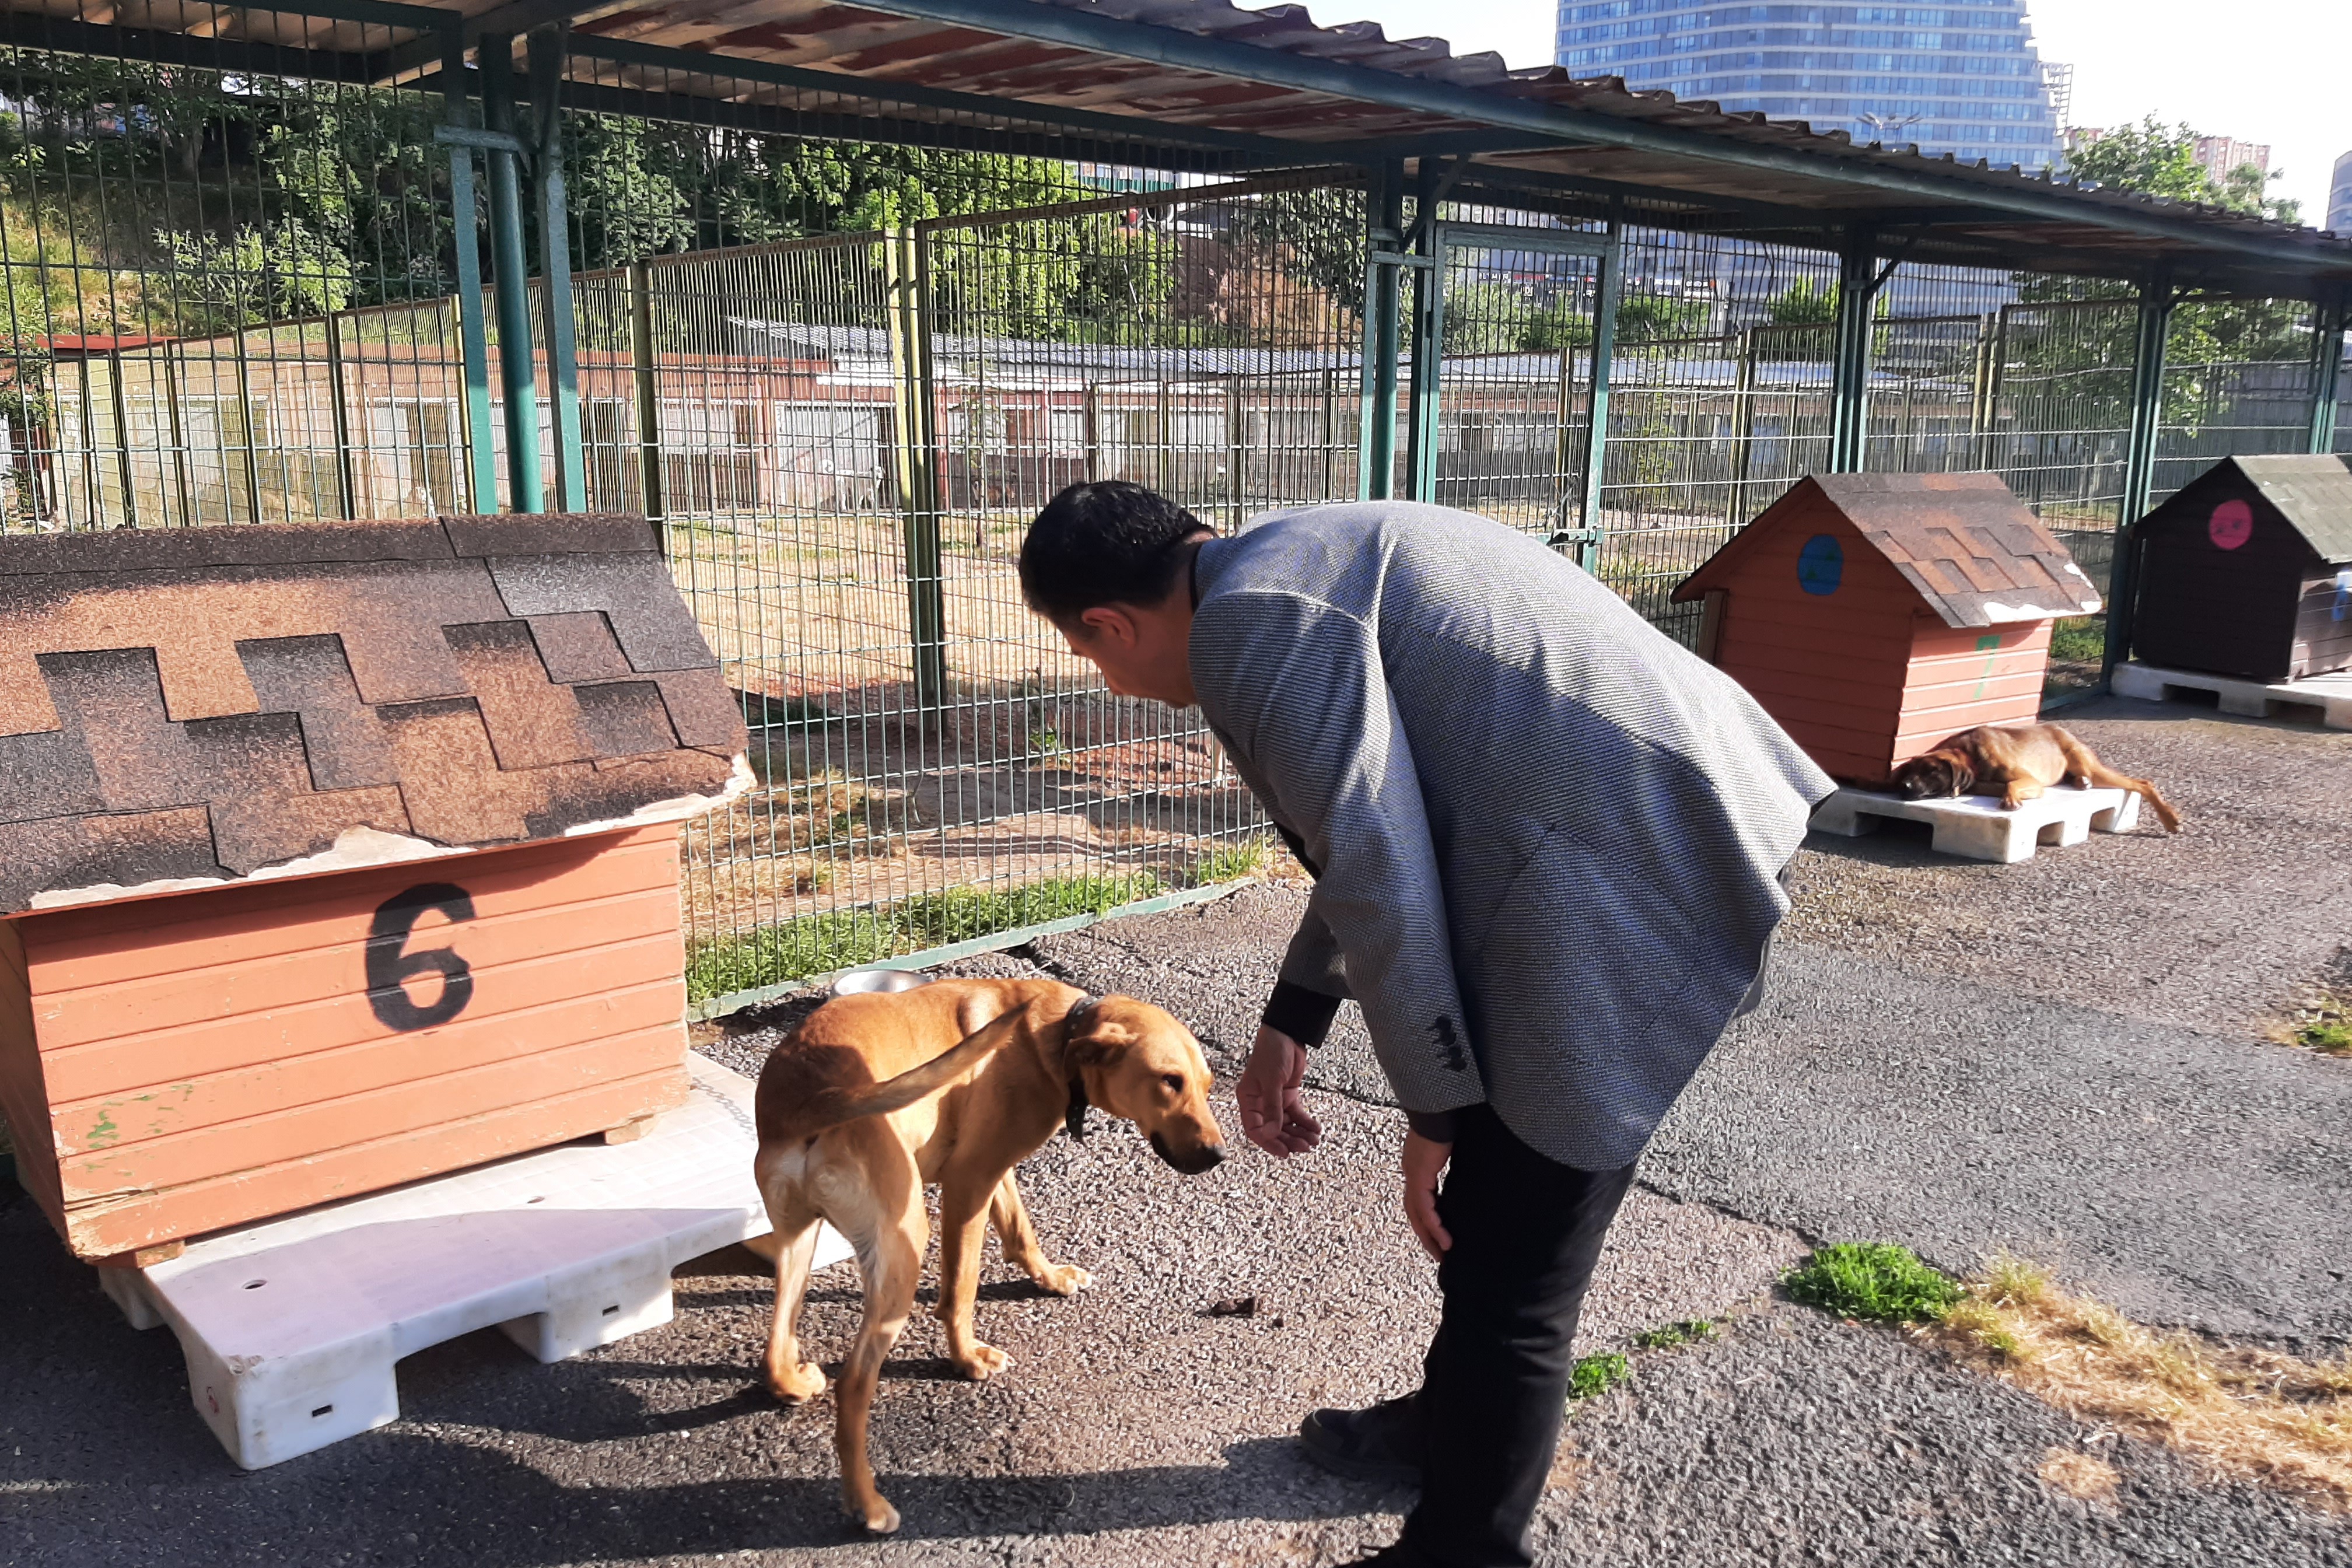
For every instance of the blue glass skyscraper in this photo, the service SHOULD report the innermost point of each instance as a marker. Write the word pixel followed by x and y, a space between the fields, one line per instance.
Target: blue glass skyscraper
pixel 1961 79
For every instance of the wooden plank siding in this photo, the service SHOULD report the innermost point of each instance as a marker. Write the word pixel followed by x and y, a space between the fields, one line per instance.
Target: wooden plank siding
pixel 207 1058
pixel 1961 677
pixel 1831 668
pixel 2323 625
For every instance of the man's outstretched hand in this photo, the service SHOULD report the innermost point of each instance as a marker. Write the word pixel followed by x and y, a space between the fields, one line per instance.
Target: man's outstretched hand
pixel 1273 1115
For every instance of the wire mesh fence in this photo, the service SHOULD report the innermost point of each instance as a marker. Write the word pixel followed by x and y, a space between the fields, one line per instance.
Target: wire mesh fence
pixel 843 375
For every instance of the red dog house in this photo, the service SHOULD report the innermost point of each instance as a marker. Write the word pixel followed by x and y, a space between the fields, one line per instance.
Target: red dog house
pixel 2247 571
pixel 335 857
pixel 1872 615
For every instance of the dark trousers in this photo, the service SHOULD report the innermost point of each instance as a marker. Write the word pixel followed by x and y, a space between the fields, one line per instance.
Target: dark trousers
pixel 1526 1234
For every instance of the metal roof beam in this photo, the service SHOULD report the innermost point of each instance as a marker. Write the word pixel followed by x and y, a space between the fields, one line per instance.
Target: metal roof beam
pixel 1108 127
pixel 1095 33
pixel 778 119
pixel 30 30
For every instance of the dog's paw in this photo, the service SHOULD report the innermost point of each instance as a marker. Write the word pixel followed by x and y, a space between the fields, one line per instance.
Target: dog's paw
pixel 1062 1278
pixel 878 1516
pixel 983 1362
pixel 804 1381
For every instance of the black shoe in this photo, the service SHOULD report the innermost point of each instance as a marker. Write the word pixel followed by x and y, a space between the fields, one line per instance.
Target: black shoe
pixel 1381 1443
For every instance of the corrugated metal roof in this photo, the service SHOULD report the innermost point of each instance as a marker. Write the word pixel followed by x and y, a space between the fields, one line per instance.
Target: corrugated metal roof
pixel 1169 68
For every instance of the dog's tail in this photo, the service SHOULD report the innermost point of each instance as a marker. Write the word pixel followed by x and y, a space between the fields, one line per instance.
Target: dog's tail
pixel 830 1107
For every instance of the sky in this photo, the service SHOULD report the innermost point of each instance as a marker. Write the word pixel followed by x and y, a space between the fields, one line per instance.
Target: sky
pixel 2261 70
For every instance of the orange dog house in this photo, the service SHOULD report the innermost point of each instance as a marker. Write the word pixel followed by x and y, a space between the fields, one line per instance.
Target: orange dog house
pixel 1872 615
pixel 334 857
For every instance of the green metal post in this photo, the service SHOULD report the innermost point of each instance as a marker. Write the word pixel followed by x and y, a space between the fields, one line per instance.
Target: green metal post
pixel 1850 384
pixel 473 334
pixel 1376 472
pixel 2139 464
pixel 647 390
pixel 495 55
pixel 340 422
pixel 906 268
pixel 548 46
pixel 1428 336
pixel 2327 369
pixel 1604 351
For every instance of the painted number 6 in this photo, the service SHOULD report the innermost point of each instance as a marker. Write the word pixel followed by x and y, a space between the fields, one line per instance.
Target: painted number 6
pixel 387 965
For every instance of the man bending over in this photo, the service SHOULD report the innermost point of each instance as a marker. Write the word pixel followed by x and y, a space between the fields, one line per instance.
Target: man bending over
pixel 1547 844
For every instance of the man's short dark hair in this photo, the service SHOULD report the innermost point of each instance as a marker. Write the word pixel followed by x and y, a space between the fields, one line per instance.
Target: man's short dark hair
pixel 1108 542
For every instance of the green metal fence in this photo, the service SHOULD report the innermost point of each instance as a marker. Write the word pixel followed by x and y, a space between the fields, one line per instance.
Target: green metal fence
pixel 843 374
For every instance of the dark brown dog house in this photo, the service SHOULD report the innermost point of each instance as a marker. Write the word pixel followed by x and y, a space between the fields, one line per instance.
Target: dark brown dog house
pixel 334 857
pixel 2247 571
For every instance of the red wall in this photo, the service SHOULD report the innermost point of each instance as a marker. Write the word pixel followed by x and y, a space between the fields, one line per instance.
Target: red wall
pixel 183 1063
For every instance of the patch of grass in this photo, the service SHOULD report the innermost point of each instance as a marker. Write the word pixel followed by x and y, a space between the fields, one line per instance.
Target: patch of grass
pixel 2248 1413
pixel 2329 1040
pixel 841 939
pixel 1232 862
pixel 1595 1375
pixel 1875 1282
pixel 1665 1336
pixel 2079 639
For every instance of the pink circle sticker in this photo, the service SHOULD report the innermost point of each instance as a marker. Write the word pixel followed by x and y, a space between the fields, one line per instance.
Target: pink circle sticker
pixel 2232 524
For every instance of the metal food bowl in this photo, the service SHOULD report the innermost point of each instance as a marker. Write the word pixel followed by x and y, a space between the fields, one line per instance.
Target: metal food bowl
pixel 861 982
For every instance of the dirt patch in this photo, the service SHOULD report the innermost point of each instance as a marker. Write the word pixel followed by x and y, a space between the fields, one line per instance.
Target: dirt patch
pixel 2245 1413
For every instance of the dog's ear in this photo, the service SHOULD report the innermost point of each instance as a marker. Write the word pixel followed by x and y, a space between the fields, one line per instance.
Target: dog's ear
pixel 1963 775
pixel 1091 1040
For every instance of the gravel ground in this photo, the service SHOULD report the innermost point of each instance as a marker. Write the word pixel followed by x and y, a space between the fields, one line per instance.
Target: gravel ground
pixel 2189 1178
pixel 1135 1427
pixel 1799 1439
pixel 2216 928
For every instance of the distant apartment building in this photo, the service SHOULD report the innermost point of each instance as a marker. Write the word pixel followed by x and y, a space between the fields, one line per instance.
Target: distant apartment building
pixel 2220 156
pixel 1959 79
pixel 2339 196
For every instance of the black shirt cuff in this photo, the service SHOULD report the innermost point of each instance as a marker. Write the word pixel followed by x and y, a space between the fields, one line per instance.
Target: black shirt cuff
pixel 1305 1015
pixel 1437 1126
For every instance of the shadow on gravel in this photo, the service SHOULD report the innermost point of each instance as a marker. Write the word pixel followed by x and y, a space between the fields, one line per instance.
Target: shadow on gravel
pixel 1259 1482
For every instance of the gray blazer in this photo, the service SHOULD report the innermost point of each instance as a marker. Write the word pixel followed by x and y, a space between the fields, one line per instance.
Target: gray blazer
pixel 1546 838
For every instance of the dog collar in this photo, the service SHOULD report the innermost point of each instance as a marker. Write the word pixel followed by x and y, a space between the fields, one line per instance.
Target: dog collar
pixel 1074 1119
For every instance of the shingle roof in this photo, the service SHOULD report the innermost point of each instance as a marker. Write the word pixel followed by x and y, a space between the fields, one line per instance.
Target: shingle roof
pixel 2313 492
pixel 210 704
pixel 1964 543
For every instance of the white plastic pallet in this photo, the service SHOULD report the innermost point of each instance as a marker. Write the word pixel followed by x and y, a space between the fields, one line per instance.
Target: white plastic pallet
pixel 2331 694
pixel 291 1329
pixel 1978 827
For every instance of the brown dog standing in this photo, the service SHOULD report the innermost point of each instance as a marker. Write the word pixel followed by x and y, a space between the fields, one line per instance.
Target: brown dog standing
pixel 2022 760
pixel 873 1097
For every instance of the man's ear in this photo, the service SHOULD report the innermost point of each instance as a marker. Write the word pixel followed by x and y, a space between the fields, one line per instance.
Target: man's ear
pixel 1113 621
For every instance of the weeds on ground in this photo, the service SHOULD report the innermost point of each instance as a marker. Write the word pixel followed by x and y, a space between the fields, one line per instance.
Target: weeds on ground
pixel 1665 1336
pixel 2329 1040
pixel 842 939
pixel 1232 862
pixel 2079 639
pixel 1595 1375
pixel 1875 1282
pixel 2246 1412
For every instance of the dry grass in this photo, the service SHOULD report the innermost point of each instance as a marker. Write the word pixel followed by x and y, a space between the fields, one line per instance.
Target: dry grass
pixel 2079 1475
pixel 2243 1413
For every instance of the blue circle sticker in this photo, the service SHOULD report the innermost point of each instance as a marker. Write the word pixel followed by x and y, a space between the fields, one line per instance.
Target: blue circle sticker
pixel 1821 564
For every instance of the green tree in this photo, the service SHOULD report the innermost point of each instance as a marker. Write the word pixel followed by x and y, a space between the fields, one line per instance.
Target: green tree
pixel 2159 160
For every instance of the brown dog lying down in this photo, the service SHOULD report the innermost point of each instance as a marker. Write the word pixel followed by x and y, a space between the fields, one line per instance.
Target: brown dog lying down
pixel 873 1098
pixel 2023 760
